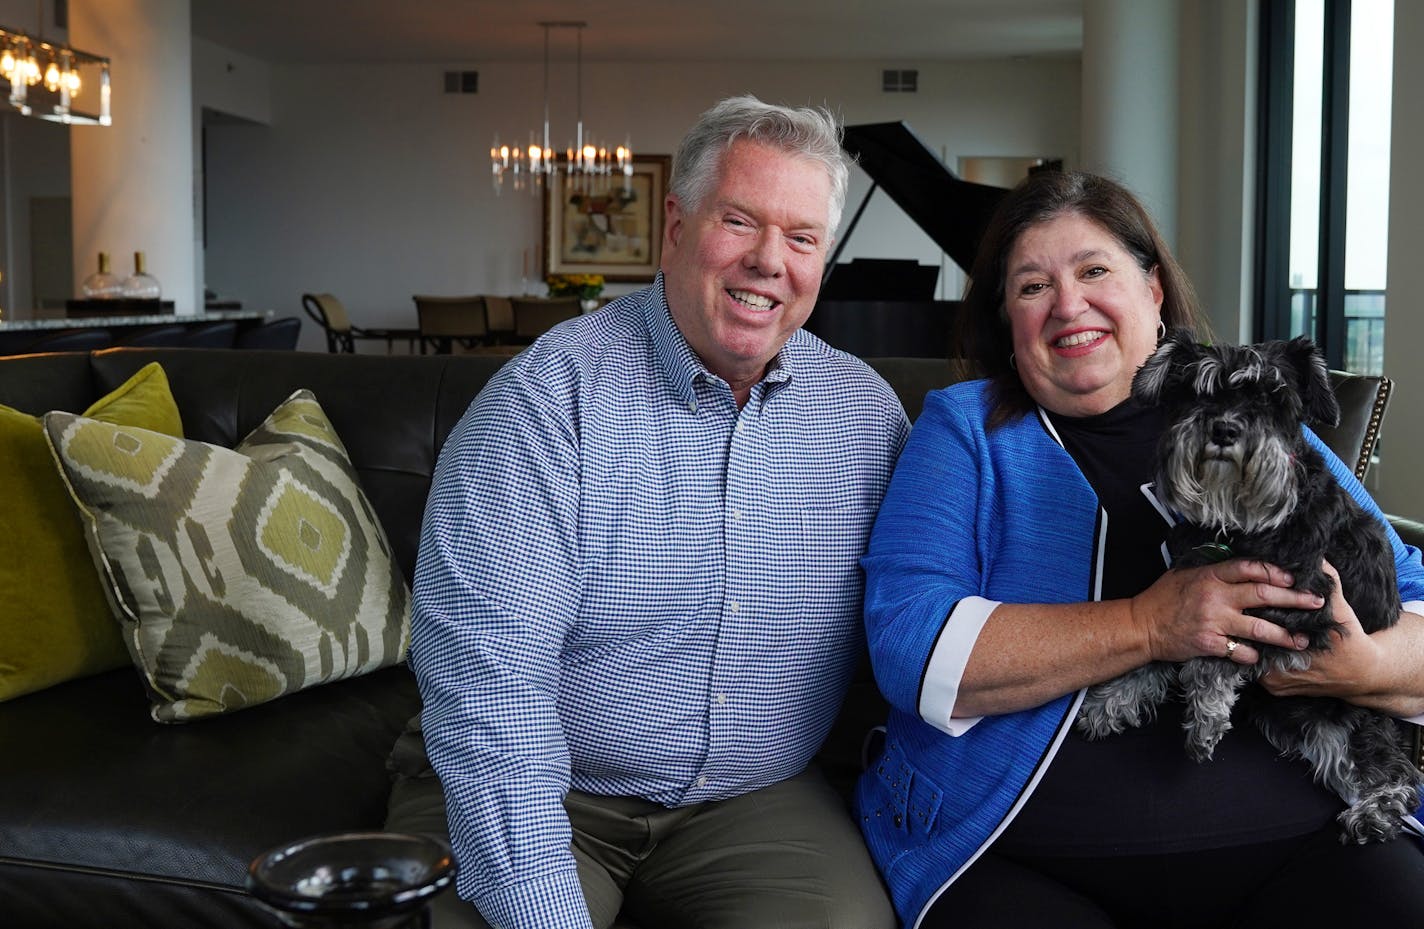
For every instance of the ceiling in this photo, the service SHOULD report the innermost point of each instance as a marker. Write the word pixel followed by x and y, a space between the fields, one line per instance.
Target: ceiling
pixel 473 31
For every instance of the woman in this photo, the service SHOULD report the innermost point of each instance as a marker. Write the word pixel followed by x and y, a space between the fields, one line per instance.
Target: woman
pixel 1017 560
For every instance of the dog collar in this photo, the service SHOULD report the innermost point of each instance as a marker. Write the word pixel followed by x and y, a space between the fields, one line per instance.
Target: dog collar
pixel 1212 552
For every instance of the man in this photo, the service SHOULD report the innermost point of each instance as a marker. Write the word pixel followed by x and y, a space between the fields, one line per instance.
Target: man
pixel 637 601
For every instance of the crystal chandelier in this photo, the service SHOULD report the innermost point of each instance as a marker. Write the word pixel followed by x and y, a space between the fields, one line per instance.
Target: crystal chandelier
pixel 583 159
pixel 45 78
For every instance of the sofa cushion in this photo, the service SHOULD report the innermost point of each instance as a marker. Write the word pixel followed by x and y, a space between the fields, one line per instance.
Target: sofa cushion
pixel 239 575
pixel 54 621
pixel 110 820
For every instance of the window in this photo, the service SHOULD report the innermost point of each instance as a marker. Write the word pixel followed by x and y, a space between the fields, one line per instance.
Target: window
pixel 1326 79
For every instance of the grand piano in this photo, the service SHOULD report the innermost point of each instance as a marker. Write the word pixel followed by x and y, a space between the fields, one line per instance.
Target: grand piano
pixel 875 307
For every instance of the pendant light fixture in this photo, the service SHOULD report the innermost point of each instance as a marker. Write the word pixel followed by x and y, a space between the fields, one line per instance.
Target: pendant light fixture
pixel 583 158
pixel 46 78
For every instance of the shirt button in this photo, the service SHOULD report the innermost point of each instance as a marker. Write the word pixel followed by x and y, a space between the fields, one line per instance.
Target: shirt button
pixel 736 607
pixel 702 781
pixel 721 699
pixel 739 425
pixel 736 513
pixel 692 406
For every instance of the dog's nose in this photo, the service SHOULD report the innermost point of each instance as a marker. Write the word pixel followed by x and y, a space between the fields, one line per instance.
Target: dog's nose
pixel 1225 432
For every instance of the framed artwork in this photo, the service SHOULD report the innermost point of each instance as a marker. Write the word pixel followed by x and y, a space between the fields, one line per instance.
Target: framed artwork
pixel 610 225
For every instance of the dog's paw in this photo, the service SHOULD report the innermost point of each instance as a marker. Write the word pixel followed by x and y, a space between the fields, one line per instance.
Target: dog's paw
pixel 1096 723
pixel 1099 718
pixel 1126 702
pixel 1203 731
pixel 1362 826
pixel 1201 750
pixel 1378 815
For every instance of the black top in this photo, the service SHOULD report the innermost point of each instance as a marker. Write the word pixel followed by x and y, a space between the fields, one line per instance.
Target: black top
pixel 1138 792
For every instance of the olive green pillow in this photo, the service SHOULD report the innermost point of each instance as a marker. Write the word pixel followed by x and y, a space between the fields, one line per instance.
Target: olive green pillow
pixel 55 624
pixel 238 575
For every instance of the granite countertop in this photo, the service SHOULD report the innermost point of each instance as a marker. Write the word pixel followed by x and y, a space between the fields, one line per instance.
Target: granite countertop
pixel 128 319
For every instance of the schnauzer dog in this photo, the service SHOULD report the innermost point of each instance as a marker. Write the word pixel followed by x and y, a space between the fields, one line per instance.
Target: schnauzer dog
pixel 1234 464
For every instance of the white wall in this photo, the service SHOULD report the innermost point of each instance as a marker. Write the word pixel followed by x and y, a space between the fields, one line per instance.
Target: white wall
pixel 372 184
pixel 231 83
pixel 1402 438
pixel 1216 164
pixel 133 181
pixel 1131 104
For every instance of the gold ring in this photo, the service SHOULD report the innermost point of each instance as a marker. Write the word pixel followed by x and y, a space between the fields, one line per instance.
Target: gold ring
pixel 1231 644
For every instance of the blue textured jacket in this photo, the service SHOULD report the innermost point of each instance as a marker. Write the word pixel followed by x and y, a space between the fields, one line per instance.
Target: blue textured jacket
pixel 1004 515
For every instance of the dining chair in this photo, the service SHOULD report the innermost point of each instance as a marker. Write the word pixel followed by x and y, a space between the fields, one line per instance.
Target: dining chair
pixel 499 318
pixel 154 336
pixel 280 333
pixel 221 334
pixel 447 321
pixel 341 335
pixel 330 315
pixel 534 316
pixel 71 340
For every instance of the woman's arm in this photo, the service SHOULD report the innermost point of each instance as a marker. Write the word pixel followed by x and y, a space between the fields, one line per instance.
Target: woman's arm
pixel 1028 654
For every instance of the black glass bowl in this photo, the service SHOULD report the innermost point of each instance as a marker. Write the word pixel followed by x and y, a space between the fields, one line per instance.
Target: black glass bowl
pixel 370 879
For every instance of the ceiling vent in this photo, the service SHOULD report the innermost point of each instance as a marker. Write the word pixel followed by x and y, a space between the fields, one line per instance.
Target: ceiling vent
pixel 899 81
pixel 462 82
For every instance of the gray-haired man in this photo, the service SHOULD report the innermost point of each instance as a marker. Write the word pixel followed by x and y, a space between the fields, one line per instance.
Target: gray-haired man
pixel 637 603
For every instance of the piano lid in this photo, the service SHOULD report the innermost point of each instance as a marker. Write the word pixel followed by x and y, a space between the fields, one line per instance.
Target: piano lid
pixel 952 211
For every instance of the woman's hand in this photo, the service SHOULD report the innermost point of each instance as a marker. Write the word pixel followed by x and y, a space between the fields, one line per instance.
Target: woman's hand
pixel 1383 671
pixel 1027 654
pixel 1196 612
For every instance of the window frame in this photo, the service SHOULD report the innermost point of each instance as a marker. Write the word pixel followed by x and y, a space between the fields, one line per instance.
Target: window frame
pixel 1271 318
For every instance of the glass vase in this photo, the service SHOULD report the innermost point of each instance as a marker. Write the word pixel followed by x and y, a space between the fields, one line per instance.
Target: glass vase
pixel 101 285
pixel 141 285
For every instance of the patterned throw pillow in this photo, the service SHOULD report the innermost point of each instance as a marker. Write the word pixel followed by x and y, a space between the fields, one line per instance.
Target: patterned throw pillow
pixel 54 622
pixel 238 575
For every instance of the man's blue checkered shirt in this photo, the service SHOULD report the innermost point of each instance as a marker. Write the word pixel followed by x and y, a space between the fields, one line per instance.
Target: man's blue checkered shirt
pixel 628 586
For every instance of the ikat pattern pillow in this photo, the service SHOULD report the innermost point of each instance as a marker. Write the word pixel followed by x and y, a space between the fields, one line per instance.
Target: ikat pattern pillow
pixel 238 575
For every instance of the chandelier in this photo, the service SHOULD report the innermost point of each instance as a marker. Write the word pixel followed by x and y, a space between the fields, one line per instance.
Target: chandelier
pixel 583 159
pixel 45 78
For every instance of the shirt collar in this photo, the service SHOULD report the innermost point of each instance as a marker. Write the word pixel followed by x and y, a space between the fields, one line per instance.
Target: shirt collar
pixel 680 363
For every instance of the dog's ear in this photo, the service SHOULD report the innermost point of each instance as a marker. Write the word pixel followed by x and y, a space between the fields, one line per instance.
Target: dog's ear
pixel 1317 397
pixel 1166 369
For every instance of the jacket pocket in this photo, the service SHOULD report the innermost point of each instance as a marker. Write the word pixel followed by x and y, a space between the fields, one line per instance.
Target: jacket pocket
pixel 906 797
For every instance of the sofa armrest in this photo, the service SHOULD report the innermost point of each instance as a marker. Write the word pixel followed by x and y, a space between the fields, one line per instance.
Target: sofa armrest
pixel 1411 531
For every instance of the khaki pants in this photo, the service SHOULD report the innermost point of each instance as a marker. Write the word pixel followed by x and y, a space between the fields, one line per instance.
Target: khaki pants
pixel 786 856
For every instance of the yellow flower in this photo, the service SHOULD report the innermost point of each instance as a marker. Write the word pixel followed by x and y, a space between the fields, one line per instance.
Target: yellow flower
pixel 583 286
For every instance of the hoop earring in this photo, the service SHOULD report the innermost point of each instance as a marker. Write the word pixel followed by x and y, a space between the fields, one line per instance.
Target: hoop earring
pixel 1013 362
pixel 1161 330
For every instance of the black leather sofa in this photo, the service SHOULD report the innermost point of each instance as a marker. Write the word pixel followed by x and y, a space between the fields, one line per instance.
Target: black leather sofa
pixel 108 819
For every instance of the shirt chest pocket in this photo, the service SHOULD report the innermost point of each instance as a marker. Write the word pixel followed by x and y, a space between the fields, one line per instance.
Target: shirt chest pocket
pixel 827 561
